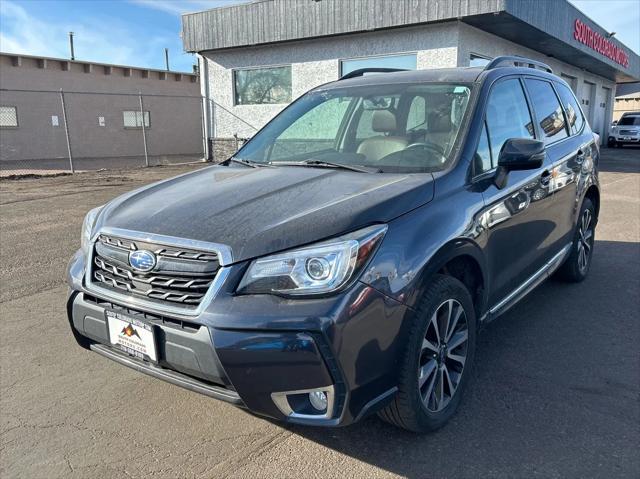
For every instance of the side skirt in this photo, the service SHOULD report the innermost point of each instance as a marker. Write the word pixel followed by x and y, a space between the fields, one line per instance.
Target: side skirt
pixel 529 285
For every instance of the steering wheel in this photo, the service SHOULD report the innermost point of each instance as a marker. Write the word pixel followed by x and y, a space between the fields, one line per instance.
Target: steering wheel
pixel 428 146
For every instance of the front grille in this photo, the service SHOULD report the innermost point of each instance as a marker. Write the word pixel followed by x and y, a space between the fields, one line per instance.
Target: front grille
pixel 181 276
pixel 628 132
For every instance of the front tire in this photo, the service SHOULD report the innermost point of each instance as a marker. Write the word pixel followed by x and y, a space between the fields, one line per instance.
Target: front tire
pixel 437 360
pixel 577 265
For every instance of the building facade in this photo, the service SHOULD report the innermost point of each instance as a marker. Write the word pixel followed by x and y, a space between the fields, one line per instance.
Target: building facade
pixel 102 114
pixel 255 58
pixel 627 99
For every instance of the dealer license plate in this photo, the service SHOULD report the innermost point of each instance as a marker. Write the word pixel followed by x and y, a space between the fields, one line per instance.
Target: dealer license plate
pixel 132 336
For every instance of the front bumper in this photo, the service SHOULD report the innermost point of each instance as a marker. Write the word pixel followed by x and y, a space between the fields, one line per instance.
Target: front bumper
pixel 248 350
pixel 631 139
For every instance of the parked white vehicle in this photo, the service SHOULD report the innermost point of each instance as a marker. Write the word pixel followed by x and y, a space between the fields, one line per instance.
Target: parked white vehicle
pixel 626 131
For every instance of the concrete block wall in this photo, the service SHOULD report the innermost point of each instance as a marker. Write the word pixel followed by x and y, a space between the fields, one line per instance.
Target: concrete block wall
pixel 173 100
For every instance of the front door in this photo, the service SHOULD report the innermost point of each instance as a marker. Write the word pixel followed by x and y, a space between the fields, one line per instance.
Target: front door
pixel 517 216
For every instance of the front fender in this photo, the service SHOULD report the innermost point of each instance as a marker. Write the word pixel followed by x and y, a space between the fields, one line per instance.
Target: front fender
pixel 420 243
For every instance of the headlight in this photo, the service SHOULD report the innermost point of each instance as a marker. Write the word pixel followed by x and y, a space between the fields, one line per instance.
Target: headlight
pixel 318 269
pixel 87 227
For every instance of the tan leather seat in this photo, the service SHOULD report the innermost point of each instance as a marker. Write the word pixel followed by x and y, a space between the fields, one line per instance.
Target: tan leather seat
pixel 377 147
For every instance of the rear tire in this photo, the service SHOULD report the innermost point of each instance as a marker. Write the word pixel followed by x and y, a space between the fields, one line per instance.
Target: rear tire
pixel 576 267
pixel 437 360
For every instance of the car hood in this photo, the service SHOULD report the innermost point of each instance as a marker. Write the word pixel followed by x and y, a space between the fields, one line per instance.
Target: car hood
pixel 256 211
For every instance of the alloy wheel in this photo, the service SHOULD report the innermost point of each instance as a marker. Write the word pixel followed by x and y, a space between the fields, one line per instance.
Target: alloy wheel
pixel 443 355
pixel 585 240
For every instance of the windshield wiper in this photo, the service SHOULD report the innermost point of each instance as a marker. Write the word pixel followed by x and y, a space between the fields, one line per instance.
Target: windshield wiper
pixel 250 163
pixel 327 164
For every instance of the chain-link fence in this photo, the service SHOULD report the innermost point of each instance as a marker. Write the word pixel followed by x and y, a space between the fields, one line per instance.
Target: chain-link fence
pixel 46 132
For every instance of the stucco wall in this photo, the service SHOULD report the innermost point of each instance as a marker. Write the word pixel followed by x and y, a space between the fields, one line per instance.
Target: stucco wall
pixel 314 62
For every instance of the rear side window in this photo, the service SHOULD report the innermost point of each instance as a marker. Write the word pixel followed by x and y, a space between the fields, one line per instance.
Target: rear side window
pixel 417 113
pixel 548 110
pixel 507 115
pixel 574 115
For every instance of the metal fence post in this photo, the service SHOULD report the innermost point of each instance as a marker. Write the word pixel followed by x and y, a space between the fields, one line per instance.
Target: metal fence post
pixel 66 130
pixel 144 131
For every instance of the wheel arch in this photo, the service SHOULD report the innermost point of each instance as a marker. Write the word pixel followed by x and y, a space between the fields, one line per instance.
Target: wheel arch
pixel 464 260
pixel 593 193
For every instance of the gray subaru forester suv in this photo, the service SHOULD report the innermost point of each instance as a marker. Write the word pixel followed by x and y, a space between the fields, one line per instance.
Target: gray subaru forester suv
pixel 341 263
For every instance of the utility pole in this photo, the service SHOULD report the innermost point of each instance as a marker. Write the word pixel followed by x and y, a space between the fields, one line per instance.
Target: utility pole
pixel 73 56
pixel 166 58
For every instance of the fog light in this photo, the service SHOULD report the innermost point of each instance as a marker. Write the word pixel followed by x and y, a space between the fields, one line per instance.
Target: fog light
pixel 318 400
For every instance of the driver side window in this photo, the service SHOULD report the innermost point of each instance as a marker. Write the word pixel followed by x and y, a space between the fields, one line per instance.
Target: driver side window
pixel 507 116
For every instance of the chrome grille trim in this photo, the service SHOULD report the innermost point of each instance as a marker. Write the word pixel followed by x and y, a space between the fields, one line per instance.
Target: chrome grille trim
pixel 171 246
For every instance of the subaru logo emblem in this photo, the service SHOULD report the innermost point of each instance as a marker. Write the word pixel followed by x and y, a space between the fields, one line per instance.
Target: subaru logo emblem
pixel 142 260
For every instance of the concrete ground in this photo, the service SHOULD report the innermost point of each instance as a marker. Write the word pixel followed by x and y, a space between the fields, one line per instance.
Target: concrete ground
pixel 555 392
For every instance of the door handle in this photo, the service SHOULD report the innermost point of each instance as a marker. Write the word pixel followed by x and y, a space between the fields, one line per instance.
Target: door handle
pixel 545 178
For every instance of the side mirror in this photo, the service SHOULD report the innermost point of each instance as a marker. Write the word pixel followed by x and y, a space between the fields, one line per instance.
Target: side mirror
pixel 518 154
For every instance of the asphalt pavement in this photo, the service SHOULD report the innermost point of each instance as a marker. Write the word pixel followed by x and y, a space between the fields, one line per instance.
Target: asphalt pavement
pixel 555 391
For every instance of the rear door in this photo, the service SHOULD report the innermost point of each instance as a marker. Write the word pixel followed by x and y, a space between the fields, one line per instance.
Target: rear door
pixel 563 152
pixel 516 217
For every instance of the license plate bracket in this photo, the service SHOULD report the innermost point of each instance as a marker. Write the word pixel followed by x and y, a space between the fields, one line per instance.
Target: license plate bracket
pixel 132 336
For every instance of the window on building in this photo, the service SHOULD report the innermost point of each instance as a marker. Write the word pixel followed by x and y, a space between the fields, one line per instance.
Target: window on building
pixel 133 119
pixel 507 116
pixel 548 110
pixel 478 61
pixel 406 62
pixel 8 116
pixel 574 115
pixel 259 86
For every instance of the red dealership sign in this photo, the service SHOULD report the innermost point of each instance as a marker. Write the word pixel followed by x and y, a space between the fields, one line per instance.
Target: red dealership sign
pixel 584 34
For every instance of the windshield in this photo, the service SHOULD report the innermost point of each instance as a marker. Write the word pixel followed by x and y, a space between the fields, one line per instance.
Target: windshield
pixel 629 121
pixel 391 128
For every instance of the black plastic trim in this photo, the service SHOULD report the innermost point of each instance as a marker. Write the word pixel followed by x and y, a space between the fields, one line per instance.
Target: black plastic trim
pixel 169 376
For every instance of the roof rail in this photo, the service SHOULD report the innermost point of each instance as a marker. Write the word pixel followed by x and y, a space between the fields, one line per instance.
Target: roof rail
pixel 517 61
pixel 362 71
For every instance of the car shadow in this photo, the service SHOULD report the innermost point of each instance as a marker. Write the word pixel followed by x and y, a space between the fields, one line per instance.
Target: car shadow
pixel 553 392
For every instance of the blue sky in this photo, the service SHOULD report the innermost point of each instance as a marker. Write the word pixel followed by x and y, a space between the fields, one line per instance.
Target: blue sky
pixel 135 32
